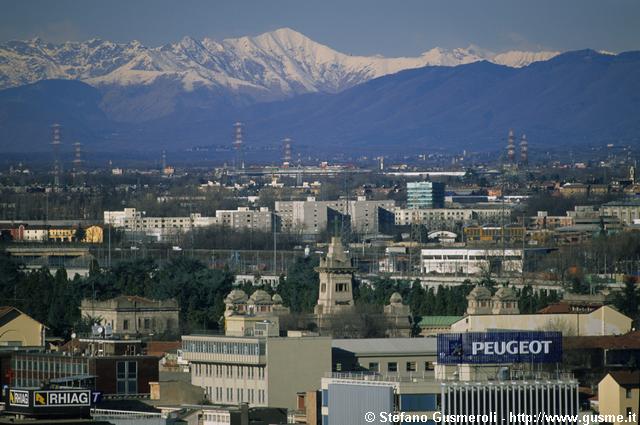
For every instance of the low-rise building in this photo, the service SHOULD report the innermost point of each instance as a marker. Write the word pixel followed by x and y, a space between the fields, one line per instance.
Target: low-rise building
pixel 619 396
pixel 396 357
pixel 626 211
pixel 467 261
pixel 603 321
pixel 20 329
pixel 133 315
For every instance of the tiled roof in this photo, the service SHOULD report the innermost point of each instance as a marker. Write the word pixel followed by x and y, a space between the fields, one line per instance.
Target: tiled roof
pixel 626 378
pixel 629 340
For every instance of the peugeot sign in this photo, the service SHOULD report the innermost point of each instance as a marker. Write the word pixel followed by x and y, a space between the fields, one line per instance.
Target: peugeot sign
pixel 500 347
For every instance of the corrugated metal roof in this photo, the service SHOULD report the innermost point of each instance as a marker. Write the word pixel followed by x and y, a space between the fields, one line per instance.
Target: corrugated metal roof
pixel 387 345
pixel 439 320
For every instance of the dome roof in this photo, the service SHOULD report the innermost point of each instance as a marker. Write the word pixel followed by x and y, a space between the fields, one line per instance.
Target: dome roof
pixel 396 298
pixel 505 293
pixel 277 299
pixel 260 297
pixel 236 296
pixel 479 292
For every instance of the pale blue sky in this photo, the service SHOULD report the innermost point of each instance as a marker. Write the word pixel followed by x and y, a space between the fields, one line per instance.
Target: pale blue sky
pixel 388 27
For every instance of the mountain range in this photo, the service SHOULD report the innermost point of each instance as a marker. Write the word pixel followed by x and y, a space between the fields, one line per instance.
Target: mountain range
pixel 119 96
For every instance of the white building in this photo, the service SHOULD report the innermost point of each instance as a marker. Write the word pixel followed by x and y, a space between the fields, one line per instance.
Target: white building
pixel 466 261
pixel 311 217
pixel 161 228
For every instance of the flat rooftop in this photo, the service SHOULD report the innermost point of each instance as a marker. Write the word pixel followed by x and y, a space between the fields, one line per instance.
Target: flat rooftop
pixel 387 346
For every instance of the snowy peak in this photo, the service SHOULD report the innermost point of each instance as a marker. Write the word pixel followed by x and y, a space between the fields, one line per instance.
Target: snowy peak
pixel 273 65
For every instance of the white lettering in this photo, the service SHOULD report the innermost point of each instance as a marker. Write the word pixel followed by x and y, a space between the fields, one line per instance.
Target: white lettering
pixel 476 347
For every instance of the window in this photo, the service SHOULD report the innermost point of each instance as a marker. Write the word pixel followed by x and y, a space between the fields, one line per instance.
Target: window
pixel 127 377
pixel 392 367
pixel 411 366
pixel 147 323
pixel 374 367
pixel 629 412
pixel 629 393
pixel 125 325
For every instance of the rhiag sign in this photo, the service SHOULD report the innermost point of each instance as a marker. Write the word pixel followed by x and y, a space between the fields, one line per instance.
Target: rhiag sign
pixel 62 398
pixel 500 347
pixel 18 398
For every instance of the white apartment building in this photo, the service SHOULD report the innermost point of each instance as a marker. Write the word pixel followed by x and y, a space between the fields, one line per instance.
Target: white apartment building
pixel 448 216
pixel 465 261
pixel 245 218
pixel 310 217
pixel 161 228
pixel 260 371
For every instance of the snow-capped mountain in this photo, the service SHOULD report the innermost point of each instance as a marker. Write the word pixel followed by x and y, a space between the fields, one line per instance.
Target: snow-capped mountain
pixel 272 65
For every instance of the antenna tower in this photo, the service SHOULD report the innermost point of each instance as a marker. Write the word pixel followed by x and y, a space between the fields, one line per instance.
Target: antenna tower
pixel 77 157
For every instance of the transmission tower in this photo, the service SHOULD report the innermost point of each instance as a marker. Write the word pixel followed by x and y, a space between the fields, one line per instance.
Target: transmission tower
pixel 55 145
pixel 286 152
pixel 524 150
pixel 238 146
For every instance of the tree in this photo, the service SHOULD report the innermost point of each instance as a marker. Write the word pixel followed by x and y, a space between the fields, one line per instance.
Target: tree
pixel 628 300
pixel 300 289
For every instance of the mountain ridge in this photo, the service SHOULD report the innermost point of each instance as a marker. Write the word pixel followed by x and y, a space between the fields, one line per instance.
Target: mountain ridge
pixel 269 66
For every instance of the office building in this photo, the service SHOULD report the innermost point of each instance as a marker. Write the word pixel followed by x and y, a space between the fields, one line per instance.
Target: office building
pixel 421 195
pixel 258 370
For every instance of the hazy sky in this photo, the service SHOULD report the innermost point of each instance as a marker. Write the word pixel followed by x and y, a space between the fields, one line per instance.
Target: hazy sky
pixel 388 27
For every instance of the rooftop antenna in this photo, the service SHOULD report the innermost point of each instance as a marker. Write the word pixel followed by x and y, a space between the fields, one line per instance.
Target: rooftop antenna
pixel 55 145
pixel 238 146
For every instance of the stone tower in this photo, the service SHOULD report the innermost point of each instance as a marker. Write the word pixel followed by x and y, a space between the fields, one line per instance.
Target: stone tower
pixel 397 316
pixel 335 270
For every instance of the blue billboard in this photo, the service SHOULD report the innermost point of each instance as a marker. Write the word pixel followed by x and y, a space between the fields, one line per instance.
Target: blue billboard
pixel 500 347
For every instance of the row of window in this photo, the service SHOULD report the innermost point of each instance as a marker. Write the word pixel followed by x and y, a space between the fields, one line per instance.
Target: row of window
pixel 240 395
pixel 228 371
pixel 52 365
pixel 393 366
pixel 224 347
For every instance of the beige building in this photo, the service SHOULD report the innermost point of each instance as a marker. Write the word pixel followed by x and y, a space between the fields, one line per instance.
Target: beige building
pixel 259 370
pixel 19 329
pixel 619 396
pixel 603 321
pixel 133 315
